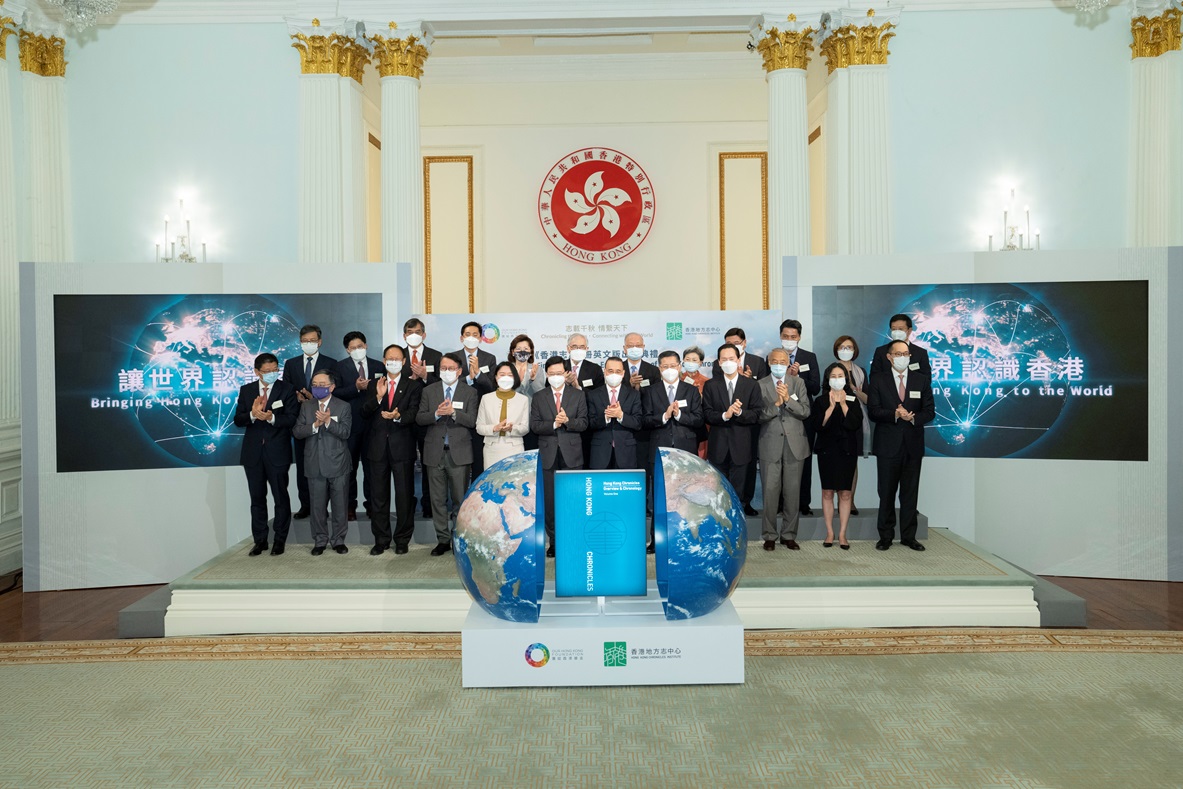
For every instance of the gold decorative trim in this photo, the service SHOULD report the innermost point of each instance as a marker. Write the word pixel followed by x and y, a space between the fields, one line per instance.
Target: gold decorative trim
pixel 332 54
pixel 857 45
pixel 1156 35
pixel 7 28
pixel 399 57
pixel 352 58
pixel 723 159
pixel 42 55
pixel 428 161
pixel 783 49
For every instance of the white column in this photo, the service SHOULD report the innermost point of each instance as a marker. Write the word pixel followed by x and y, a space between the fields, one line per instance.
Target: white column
pixel 353 173
pixel 51 221
pixel 1156 182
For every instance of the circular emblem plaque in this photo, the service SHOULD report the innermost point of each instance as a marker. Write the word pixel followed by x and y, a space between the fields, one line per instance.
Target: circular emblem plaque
pixel 596 205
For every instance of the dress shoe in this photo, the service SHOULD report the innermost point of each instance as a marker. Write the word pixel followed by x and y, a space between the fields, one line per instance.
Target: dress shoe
pixel 277 548
pixel 844 546
pixel 828 544
pixel 400 549
pixel 441 549
pixel 749 510
pixel 883 545
pixel 913 545
pixel 377 550
pixel 340 549
pixel 770 545
pixel 258 549
pixel 318 550
pixel 853 510
pixel 550 552
pixel 300 514
pixel 808 513
pixel 352 515
pixel 790 544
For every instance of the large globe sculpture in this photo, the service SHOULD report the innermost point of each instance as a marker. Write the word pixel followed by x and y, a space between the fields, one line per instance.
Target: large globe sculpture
pixel 700 532
pixel 499 548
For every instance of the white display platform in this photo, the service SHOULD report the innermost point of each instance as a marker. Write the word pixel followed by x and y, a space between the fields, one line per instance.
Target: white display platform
pixel 608 645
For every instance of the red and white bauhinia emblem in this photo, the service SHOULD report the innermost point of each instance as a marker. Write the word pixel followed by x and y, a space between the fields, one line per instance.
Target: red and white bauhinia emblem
pixel 596 205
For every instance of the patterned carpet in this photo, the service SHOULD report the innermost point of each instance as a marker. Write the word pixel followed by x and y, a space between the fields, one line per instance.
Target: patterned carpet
pixel 904 708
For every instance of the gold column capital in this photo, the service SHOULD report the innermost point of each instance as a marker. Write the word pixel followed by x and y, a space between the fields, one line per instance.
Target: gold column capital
pixel 7 28
pixel 849 40
pixel 789 47
pixel 42 55
pixel 401 56
pixel 352 56
pixel 334 46
pixel 1156 35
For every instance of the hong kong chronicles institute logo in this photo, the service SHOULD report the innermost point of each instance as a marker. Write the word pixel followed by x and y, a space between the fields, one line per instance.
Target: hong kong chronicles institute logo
pixel 596 205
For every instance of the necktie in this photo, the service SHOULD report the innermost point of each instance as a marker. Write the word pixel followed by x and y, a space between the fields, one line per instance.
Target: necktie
pixel 792 358
pixel 308 371
pixel 447 399
pixel 730 392
pixel 671 391
pixel 901 387
pixel 390 395
pixel 612 392
pixel 361 371
pixel 415 357
pixel 265 390
pixel 558 402
pixel 634 369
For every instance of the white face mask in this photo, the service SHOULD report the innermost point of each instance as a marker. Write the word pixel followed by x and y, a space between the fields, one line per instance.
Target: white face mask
pixel 577 354
pixel 670 374
pixel 846 354
pixel 613 379
pixel 555 381
pixel 414 340
pixel 739 346
pixel 837 383
pixel 394 367
pixel 899 334
pixel 634 353
pixel 309 348
pixel 690 367
pixel 901 362
pixel 789 345
pixel 505 383
pixel 358 354
pixel 729 367
pixel 449 376
pixel 471 343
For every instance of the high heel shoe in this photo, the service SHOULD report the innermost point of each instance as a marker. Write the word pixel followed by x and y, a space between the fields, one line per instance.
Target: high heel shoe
pixel 845 547
pixel 827 544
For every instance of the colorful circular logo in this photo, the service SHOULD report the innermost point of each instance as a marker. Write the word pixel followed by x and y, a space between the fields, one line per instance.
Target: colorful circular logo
pixel 596 205
pixel 490 333
pixel 537 655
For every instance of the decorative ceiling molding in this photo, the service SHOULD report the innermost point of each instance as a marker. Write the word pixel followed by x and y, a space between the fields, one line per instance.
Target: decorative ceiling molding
pixel 698 66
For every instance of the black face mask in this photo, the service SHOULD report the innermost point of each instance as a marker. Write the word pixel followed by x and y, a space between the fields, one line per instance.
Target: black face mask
pixel 522 356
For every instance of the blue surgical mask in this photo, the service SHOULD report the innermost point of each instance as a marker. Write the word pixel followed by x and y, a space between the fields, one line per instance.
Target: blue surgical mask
pixel 778 370
pixel 270 378
pixel 320 392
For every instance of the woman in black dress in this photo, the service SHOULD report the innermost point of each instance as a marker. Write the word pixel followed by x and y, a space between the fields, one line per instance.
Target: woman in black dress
pixel 838 420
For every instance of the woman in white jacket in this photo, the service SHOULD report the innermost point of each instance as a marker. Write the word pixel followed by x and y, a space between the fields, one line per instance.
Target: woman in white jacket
pixel 503 416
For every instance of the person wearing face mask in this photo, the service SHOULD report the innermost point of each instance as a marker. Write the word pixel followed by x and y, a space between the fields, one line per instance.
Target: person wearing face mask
pixel 846 351
pixel 504 416
pixel 298 372
pixel 583 375
pixel 782 448
pixel 423 365
pixel 900 327
pixel 324 424
pixel 641 375
pixel 731 404
pixel 673 408
pixel 476 369
pixel 390 448
pixel 901 404
pixel 558 415
pixel 266 411
pixel 357 373
pixel 614 416
pixel 752 367
pixel 692 359
pixel 838 420
pixel 803 364
pixel 530 374
pixel 448 410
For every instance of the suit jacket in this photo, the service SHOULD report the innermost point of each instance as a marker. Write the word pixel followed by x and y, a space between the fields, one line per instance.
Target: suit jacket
pixel 681 433
pixel 293 370
pixel 264 440
pixel 895 438
pixel 326 451
pixel 811 376
pixel 757 365
pixel 651 377
pixel 920 361
pixel 567 437
pixel 456 427
pixel 485 382
pixel 347 389
pixel 785 423
pixel 430 358
pixel 394 436
pixel 622 432
pixel 732 437
pixel 589 371
pixel 840 435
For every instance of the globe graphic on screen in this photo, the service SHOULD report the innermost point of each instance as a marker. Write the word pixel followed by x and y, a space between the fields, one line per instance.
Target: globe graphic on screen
pixel 700 531
pixel 991 354
pixel 498 547
pixel 191 358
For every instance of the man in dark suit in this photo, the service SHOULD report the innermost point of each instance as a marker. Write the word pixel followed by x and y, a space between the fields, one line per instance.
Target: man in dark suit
pixel 448 410
pixel 802 363
pixel 900 326
pixel 266 411
pixel 641 375
pixel 476 368
pixel 753 367
pixel 323 426
pixel 583 375
pixel 673 414
pixel 901 404
pixel 731 404
pixel 357 373
pixel 392 412
pixel 614 416
pixel 558 415
pixel 298 372
pixel 424 364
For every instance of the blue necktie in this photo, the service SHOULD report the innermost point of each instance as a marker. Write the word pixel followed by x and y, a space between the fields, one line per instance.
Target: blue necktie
pixel 308 372
pixel 447 399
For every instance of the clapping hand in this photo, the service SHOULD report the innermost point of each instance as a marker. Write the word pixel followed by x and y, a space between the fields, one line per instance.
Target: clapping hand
pixel 635 380
pixel 390 414
pixel 782 393
pixel 380 387
pixel 837 396
pixel 258 408
pixel 561 417
pixel 419 371
pixel 747 371
pixel 736 408
pixel 795 368
pixel 303 395
pixel 362 384
pixel 613 412
pixel 322 418
pixel 445 409
pixel 474 367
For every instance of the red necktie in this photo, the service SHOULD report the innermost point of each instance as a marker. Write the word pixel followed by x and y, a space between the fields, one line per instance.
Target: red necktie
pixel 558 402
pixel 415 358
pixel 612 392
pixel 390 395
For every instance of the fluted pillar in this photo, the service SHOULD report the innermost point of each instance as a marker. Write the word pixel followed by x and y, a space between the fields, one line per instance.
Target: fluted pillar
pixel 1157 125
pixel 10 19
pixel 785 50
pixel 51 224
pixel 858 185
pixel 400 53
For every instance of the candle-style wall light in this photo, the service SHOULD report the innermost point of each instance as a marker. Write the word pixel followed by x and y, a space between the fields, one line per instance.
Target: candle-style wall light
pixel 180 248
pixel 1016 230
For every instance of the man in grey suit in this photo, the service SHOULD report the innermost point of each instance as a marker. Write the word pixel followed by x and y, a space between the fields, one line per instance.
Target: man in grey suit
pixel 558 416
pixel 324 425
pixel 448 410
pixel 782 449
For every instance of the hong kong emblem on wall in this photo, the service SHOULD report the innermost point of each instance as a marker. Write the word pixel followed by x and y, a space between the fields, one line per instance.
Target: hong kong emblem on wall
pixel 596 205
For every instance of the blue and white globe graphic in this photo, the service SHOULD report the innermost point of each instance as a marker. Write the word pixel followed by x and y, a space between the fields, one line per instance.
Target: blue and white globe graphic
pixel 991 353
pixel 499 543
pixel 700 532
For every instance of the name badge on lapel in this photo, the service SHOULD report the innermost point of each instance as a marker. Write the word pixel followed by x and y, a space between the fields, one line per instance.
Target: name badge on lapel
pixel 586 382
pixel 803 368
pixel 644 382
pixel 913 395
pixel 914 366
pixel 682 404
pixel 430 368
pixel 278 404
pixel 459 406
pixel 850 398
